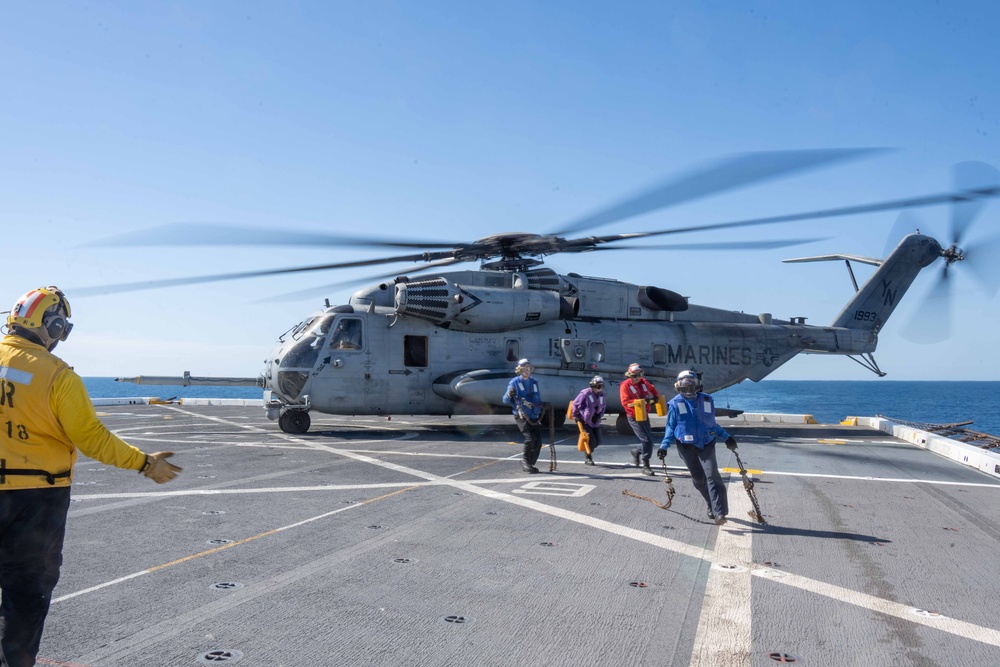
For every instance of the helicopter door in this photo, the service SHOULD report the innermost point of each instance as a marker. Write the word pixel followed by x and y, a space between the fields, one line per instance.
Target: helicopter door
pixel 342 377
pixel 352 377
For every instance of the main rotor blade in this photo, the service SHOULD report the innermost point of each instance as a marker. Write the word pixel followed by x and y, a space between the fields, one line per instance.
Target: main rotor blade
pixel 727 174
pixel 915 202
pixel 199 234
pixel 722 245
pixel 313 291
pixel 196 280
pixel 970 176
pixel 907 222
pixel 932 323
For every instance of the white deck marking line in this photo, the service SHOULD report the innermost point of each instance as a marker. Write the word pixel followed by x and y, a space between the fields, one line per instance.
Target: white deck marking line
pixel 188 441
pixel 943 623
pixel 881 479
pixel 226 492
pixel 162 566
pixel 724 628
pixel 445 481
pixel 888 607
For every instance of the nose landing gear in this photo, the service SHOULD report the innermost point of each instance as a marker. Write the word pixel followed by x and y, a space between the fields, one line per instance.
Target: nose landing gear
pixel 295 422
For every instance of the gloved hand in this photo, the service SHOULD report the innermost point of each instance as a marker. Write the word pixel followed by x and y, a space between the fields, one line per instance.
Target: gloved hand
pixel 158 468
pixel 731 442
pixel 661 454
pixel 528 404
pixel 511 393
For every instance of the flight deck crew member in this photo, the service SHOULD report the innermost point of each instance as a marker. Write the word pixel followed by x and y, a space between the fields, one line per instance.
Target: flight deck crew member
pixel 636 388
pixel 692 427
pixel 525 400
pixel 48 415
pixel 588 410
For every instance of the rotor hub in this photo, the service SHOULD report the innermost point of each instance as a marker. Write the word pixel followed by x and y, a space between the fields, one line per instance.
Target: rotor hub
pixel 952 254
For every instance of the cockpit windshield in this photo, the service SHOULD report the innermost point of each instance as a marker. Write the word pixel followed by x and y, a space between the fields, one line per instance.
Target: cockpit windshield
pixel 311 336
pixel 318 325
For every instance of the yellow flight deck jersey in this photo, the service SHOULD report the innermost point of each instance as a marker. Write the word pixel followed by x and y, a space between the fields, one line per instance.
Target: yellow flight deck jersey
pixel 45 415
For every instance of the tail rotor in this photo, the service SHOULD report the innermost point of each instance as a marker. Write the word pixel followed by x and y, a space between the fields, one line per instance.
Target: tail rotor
pixel 932 322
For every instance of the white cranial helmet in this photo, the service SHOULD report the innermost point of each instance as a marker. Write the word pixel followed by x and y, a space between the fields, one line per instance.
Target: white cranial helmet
pixel 688 385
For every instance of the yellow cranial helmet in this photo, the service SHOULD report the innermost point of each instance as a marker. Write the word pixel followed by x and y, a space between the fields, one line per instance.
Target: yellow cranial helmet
pixel 44 312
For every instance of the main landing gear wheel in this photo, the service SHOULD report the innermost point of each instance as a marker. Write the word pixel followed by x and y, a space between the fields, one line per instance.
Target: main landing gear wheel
pixel 622 427
pixel 295 422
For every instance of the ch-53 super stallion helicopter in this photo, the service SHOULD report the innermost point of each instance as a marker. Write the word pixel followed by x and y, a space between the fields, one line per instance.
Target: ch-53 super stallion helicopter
pixel 445 343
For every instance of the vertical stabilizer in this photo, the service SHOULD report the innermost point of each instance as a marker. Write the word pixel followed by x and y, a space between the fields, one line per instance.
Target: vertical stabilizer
pixel 878 297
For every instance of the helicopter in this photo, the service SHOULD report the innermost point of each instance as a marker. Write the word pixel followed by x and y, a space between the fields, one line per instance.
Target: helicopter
pixel 444 343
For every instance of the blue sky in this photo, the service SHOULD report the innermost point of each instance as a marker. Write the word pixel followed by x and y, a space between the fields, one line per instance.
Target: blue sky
pixel 454 121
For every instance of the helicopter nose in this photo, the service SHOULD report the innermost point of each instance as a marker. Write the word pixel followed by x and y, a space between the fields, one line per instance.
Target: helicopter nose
pixel 289 367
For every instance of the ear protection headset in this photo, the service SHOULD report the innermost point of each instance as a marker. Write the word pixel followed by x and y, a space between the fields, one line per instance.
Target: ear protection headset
pixel 56 326
pixel 44 310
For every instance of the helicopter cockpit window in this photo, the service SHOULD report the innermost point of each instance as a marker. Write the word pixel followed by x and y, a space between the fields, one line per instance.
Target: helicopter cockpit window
pixel 415 351
pixel 301 327
pixel 513 350
pixel 310 337
pixel 347 335
pixel 659 355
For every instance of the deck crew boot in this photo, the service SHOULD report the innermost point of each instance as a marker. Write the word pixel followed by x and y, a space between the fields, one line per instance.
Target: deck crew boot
pixel 588 461
pixel 535 452
pixel 527 461
pixel 635 456
pixel 646 470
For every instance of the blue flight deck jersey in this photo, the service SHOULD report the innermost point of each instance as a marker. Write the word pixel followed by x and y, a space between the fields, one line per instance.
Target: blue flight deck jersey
pixel 692 422
pixel 526 392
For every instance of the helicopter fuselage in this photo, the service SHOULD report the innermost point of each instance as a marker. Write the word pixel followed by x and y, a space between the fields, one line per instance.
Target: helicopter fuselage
pixel 413 367
pixel 447 344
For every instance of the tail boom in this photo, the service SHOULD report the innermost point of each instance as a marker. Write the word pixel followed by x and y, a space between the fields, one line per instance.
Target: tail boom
pixel 878 297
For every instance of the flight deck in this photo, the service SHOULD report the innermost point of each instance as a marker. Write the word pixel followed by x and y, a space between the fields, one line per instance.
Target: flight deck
pixel 419 541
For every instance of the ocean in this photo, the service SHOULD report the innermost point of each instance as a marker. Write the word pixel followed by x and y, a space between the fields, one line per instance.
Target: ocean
pixel 828 401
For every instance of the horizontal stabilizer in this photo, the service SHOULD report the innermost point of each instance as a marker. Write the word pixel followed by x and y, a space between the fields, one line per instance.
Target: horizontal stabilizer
pixel 831 258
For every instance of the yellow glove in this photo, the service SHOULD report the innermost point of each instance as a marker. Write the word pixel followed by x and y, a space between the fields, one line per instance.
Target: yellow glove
pixel 158 469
